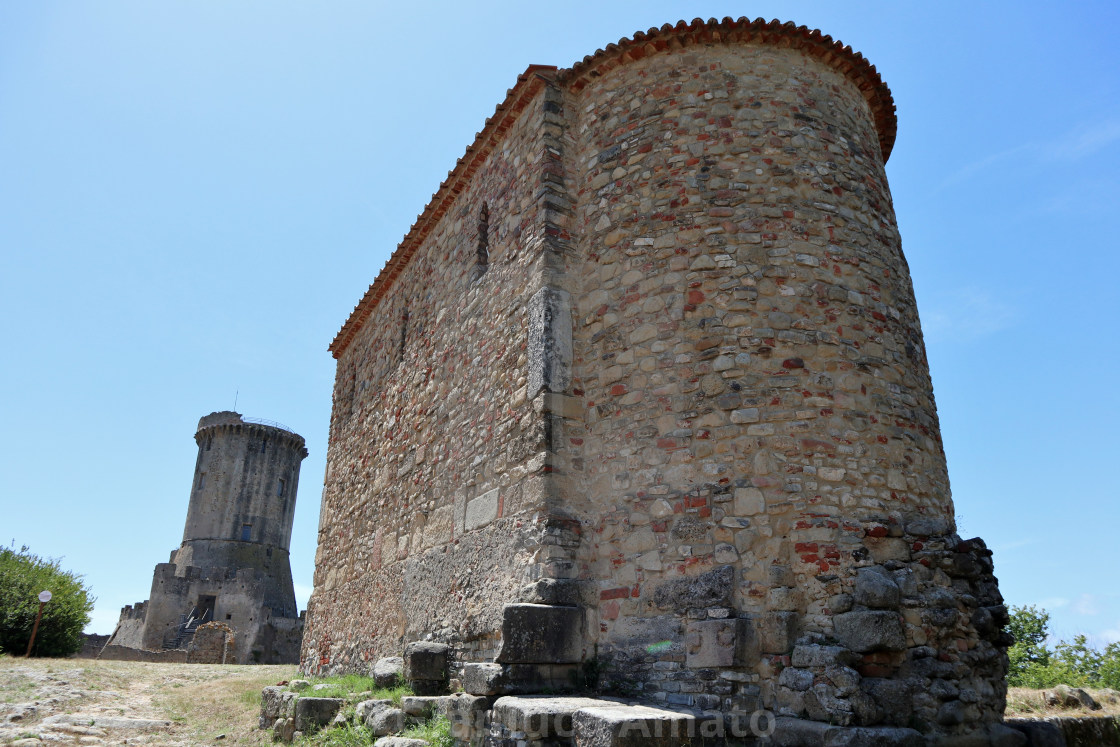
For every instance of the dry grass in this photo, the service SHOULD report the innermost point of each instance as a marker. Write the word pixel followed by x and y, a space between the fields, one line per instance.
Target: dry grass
pixel 228 703
pixel 1026 703
pixel 202 701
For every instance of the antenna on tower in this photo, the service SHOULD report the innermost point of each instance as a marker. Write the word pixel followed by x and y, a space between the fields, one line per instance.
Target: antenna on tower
pixel 235 393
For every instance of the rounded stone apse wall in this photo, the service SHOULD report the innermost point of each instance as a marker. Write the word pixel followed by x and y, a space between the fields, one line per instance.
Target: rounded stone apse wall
pixel 760 461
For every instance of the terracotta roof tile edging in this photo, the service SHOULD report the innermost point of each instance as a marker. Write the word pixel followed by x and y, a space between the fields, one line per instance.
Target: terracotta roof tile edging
pixel 527 86
pixel 820 46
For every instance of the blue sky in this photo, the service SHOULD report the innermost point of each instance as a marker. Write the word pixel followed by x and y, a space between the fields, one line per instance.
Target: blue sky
pixel 194 195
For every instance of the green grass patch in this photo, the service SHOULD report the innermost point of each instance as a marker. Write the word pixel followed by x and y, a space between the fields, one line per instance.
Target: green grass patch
pixel 248 697
pixel 342 736
pixel 355 687
pixel 437 732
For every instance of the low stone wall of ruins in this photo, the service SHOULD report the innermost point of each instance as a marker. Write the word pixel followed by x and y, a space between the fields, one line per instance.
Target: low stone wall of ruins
pixel 125 653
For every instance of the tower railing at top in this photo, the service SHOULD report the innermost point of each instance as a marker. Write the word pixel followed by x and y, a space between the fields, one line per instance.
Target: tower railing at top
pixel 271 423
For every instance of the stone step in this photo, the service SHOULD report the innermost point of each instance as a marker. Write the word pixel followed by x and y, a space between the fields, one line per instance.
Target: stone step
pixel 591 722
pixel 619 725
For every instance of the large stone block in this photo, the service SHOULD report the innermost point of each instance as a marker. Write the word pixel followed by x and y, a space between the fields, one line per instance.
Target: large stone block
pixel 541 716
pixel 875 588
pixel 467 715
pixel 550 341
pixel 814 655
pixel 566 592
pixel 425 661
pixel 363 710
pixel 776 631
pixel 879 736
pixel 314 713
pixel 893 698
pixel 619 725
pixel 795 732
pixel 517 679
pixel 385 721
pixel 870 630
pixel 387 671
pixel 423 705
pixel 482 510
pixel 425 667
pixel 541 634
pixel 711 589
pixel 710 643
pixel 483 678
pixel 272 699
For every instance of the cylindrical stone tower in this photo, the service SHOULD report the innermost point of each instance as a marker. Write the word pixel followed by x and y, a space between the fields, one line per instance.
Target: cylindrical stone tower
pixel 244 486
pixel 233 564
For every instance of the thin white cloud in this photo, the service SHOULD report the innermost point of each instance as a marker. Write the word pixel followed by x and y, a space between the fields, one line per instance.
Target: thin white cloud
pixel 1085 140
pixel 1051 603
pixel 1111 635
pixel 1087 604
pixel 965 314
pixel 967 171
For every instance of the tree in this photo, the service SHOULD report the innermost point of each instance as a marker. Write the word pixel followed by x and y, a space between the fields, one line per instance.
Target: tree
pixel 22 576
pixel 1029 627
pixel 1110 666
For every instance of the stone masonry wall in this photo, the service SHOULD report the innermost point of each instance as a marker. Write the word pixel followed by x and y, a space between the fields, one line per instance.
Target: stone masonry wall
pixel 703 353
pixel 760 436
pixel 433 508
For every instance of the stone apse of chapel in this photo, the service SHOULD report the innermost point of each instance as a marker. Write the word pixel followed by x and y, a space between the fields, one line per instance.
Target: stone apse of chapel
pixel 652 349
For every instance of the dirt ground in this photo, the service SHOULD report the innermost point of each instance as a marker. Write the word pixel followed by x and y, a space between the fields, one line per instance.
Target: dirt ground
pixel 87 701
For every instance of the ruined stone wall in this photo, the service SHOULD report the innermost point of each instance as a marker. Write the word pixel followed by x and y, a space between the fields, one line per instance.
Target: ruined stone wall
pixel 213 643
pixel 130 627
pixel 433 506
pixel 113 652
pixel 241 601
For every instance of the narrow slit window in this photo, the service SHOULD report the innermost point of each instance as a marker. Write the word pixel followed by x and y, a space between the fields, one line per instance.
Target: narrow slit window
pixel 246 532
pixel 264 445
pixel 201 480
pixel 281 486
pixel 483 249
pixel 404 333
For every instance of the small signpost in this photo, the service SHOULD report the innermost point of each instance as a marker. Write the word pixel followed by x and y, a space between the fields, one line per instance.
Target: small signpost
pixel 44 597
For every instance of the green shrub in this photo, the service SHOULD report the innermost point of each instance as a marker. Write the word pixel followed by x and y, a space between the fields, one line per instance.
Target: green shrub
pixel 1032 664
pixel 22 576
